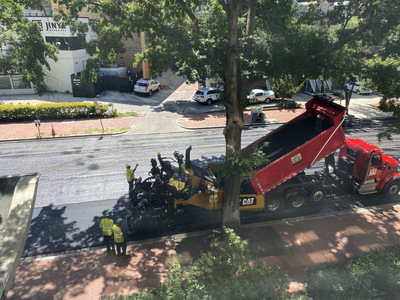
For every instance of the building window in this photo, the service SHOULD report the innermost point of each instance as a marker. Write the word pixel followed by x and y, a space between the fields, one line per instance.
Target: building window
pixel 48 12
pixel 66 43
pixel 5 83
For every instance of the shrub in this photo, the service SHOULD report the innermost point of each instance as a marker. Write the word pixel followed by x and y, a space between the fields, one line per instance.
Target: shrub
pixel 284 88
pixel 47 111
pixel 225 274
pixel 370 275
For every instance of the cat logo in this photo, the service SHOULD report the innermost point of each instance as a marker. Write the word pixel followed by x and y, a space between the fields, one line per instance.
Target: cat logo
pixel 247 201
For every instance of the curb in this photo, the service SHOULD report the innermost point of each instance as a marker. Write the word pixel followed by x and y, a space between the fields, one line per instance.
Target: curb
pixel 223 126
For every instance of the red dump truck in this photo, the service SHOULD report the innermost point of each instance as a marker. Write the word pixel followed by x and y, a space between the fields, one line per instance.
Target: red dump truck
pixel 351 165
pixel 312 136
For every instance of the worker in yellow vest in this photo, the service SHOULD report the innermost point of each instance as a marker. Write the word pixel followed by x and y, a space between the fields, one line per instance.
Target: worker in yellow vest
pixel 119 238
pixel 176 182
pixel 130 174
pixel 106 225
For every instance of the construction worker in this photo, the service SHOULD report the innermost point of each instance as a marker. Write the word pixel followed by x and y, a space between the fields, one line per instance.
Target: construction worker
pixel 176 182
pixel 106 225
pixel 119 238
pixel 130 175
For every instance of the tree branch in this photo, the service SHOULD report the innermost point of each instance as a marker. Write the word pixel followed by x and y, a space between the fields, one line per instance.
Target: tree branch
pixel 189 13
pixel 251 18
pixel 224 4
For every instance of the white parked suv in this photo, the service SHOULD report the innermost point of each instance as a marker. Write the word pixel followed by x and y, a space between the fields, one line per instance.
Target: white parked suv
pixel 146 86
pixel 207 95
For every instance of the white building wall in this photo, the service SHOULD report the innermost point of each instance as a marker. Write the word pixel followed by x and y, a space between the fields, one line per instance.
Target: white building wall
pixel 69 62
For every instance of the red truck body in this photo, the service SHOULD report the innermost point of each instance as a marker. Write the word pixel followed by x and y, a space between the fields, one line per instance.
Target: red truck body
pixel 300 143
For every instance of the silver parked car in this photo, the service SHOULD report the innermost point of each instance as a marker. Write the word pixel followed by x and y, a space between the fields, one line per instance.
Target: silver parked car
pixel 146 86
pixel 258 95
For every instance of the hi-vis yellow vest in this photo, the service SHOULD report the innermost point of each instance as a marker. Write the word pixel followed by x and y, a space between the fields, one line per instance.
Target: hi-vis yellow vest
pixel 129 174
pixel 106 226
pixel 177 183
pixel 118 235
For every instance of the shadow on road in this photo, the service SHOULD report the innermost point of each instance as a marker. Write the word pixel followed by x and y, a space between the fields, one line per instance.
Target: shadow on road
pixel 55 229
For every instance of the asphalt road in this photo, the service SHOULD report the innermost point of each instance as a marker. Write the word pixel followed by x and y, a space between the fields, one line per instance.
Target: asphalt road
pixel 82 178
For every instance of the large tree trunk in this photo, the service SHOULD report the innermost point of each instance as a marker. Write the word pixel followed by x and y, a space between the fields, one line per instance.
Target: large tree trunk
pixel 234 118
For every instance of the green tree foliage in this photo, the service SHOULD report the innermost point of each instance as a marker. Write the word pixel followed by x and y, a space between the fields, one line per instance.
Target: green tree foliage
pixel 243 162
pixel 368 32
pixel 241 42
pixel 225 274
pixel 369 275
pixel 284 87
pixel 24 52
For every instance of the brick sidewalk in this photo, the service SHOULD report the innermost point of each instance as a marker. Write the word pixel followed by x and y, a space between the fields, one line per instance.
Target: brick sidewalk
pixel 20 130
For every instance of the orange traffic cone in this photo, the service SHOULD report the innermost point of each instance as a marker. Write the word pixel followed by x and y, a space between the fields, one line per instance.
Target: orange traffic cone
pixel 53 133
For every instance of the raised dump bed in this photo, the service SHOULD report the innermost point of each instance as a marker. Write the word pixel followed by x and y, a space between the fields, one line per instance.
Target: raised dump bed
pixel 298 144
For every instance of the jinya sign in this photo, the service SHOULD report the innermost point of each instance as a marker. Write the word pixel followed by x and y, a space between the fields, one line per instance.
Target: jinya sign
pixel 48 24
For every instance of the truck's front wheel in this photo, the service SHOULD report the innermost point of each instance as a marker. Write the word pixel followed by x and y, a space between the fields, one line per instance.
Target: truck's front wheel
pixel 392 190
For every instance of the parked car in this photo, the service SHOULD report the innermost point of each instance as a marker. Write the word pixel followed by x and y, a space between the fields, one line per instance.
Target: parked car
pixel 358 88
pixel 146 86
pixel 207 95
pixel 258 95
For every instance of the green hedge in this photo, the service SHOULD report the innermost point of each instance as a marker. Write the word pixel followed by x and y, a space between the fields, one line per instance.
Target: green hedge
pixel 370 275
pixel 51 111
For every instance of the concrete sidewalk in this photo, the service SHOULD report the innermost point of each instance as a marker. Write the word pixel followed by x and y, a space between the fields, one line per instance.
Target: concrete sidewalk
pixel 293 244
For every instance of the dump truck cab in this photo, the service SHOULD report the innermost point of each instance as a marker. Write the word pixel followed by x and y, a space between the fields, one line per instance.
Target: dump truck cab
pixel 369 169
